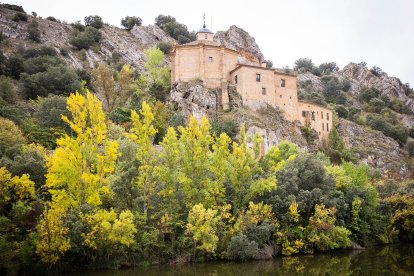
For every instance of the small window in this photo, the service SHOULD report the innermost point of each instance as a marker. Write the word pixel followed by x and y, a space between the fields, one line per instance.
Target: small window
pixel 205 36
pixel 303 113
pixel 263 90
pixel 235 79
pixel 313 116
pixel 258 77
pixel 321 115
pixel 280 96
pixel 282 83
pixel 290 97
pixel 323 126
pixel 327 116
pixel 327 127
pixel 210 59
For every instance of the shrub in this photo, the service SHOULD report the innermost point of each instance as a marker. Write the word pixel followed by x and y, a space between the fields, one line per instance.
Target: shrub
pixel 55 80
pixel 304 65
pixel 14 66
pixel 33 31
pixel 410 148
pixel 328 67
pixel 366 94
pixel 130 21
pixel 41 64
pixel 241 248
pixel 7 90
pixel 342 111
pixel 397 131
pixel 230 127
pixel 84 40
pixel 269 63
pixel 19 17
pixel 12 7
pixel 175 29
pixel 50 110
pixel 51 18
pixel 376 71
pixel 11 138
pixel 165 47
pixel 94 21
pixel 37 52
pixel 78 26
pixel 376 105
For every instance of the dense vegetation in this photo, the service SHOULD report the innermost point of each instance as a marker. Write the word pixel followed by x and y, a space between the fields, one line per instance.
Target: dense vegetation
pixel 369 107
pixel 121 181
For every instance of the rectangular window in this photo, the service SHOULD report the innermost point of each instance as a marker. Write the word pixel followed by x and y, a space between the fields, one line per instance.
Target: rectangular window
pixel 205 36
pixel 258 77
pixel 210 59
pixel 327 116
pixel 281 96
pixel 282 83
pixel 313 116
pixel 327 127
pixel 321 115
pixel 303 113
pixel 263 90
pixel 235 79
pixel 323 126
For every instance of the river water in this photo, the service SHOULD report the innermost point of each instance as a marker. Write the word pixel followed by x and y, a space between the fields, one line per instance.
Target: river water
pixel 373 261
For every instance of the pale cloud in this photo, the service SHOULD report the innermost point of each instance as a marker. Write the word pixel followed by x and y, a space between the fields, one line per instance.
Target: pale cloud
pixel 379 32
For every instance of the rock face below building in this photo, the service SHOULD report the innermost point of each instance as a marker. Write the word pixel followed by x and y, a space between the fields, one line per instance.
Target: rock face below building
pixel 238 39
pixel 373 147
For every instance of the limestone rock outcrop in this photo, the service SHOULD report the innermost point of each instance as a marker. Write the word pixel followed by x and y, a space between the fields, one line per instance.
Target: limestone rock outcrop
pixel 388 86
pixel 238 39
pixel 373 147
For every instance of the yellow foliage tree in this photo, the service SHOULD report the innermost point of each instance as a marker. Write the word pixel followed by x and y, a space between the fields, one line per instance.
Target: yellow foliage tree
pixel 77 172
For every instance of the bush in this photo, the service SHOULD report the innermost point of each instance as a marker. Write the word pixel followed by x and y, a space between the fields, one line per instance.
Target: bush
pixel 304 65
pixel 230 127
pixel 342 111
pixel 410 148
pixel 175 29
pixel 130 21
pixel 41 64
pixel 78 26
pixel 376 71
pixel 397 131
pixel 165 47
pixel 328 67
pixel 11 138
pixel 12 7
pixel 33 31
pixel 7 90
pixel 51 18
pixel 20 17
pixel 240 248
pixel 59 80
pixel 14 66
pixel 366 94
pixel 37 52
pixel 94 21
pixel 376 105
pixel 84 40
pixel 50 110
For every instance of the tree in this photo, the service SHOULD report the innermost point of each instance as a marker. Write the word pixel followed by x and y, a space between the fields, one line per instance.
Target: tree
pixel 94 21
pixel 7 90
pixel 304 65
pixel 335 148
pixel 11 138
pixel 175 29
pixel 33 31
pixel 77 172
pixel 322 232
pixel 328 67
pixel 130 21
pixel 142 133
pixel 201 226
pixel 116 88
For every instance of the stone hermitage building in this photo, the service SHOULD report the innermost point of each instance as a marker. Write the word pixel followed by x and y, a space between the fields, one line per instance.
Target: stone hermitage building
pixel 221 67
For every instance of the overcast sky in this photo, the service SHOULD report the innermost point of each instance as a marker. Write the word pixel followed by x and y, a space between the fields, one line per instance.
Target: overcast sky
pixel 379 32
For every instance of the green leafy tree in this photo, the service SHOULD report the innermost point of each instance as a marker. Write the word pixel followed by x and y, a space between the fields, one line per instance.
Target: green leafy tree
pixel 93 21
pixel 130 21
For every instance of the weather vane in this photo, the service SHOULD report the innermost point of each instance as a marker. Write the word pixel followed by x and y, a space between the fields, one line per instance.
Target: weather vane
pixel 204 17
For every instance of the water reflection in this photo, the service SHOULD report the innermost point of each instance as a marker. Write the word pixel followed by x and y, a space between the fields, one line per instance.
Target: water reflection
pixel 384 260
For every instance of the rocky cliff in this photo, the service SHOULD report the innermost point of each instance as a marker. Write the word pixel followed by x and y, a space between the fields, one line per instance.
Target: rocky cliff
pixel 361 76
pixel 125 45
pixel 238 39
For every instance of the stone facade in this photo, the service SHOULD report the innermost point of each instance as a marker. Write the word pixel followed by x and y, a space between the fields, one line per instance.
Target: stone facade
pixel 220 67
